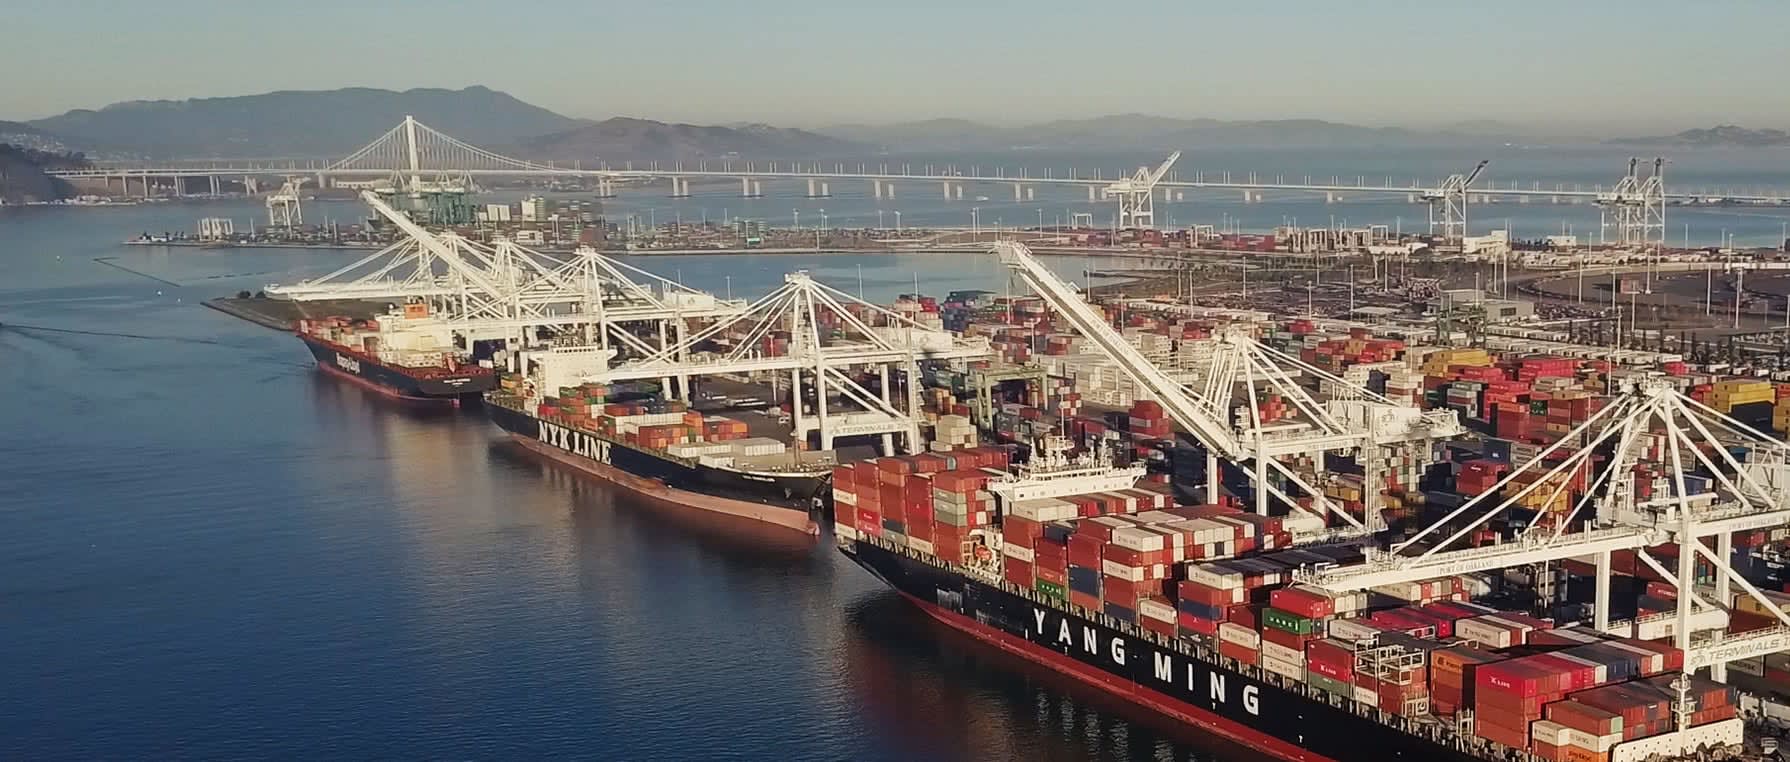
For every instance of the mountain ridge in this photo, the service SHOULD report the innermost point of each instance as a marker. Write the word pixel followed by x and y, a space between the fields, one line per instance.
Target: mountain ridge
pixel 1136 130
pixel 1722 135
pixel 621 139
pixel 291 123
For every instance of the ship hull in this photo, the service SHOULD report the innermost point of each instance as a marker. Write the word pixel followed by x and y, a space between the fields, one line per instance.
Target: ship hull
pixel 1246 705
pixel 783 500
pixel 396 382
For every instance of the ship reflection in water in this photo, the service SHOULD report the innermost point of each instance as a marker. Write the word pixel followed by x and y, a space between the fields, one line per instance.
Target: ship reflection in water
pixel 947 696
pixel 506 563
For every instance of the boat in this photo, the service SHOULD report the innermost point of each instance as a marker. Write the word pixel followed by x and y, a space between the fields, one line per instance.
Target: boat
pixel 405 354
pixel 976 560
pixel 659 450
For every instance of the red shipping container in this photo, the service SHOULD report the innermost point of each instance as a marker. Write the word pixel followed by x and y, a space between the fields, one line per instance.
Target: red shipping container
pixel 1165 629
pixel 1305 603
pixel 1020 531
pixel 1245 614
pixel 1282 637
pixel 1125 592
pixel 1238 651
pixel 1200 625
pixel 1017 572
pixel 1208 595
pixel 1053 576
pixel 1084 550
pixel 1334 655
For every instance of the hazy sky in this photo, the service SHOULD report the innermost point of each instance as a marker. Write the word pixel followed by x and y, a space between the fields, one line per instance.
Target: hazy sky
pixel 1636 65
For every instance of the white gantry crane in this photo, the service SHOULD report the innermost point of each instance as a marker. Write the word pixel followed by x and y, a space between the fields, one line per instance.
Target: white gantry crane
pixel 503 290
pixel 283 209
pixel 1241 370
pixel 830 333
pixel 1636 207
pixel 1136 195
pixel 1448 204
pixel 1629 461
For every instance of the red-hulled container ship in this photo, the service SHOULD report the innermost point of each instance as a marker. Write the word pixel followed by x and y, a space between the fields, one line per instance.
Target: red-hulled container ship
pixel 1190 611
pixel 405 354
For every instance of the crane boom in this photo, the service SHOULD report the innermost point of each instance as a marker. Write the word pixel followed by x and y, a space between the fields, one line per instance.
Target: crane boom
pixel 1162 169
pixel 1474 175
pixel 1181 405
pixel 428 240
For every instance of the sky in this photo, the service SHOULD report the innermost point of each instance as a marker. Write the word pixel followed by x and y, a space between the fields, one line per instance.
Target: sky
pixel 1634 66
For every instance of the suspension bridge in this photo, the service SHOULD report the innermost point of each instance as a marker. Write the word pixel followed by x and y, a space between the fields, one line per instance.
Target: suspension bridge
pixel 412 148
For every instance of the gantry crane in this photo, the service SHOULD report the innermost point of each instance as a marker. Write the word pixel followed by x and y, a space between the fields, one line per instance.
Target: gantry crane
pixel 1635 207
pixel 1136 195
pixel 1649 421
pixel 284 212
pixel 830 332
pixel 1354 420
pixel 504 290
pixel 1448 204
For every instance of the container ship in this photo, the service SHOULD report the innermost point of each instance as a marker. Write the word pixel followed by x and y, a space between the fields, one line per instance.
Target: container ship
pixel 657 449
pixel 406 354
pixel 1191 611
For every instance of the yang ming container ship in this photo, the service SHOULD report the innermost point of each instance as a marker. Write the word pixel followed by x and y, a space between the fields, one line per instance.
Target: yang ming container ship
pixel 658 450
pixel 1083 570
pixel 406 354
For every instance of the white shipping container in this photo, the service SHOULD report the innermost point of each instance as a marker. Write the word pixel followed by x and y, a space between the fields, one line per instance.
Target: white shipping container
pixel 845 498
pixel 1044 510
pixel 921 545
pixel 1171 538
pixel 1119 571
pixel 1601 672
pixel 1365 695
pixel 1284 668
pixel 1649 661
pixel 1549 732
pixel 1597 744
pixel 1156 610
pixel 1488 631
pixel 1236 633
pixel 1213 577
pixel 1137 538
pixel 1013 550
pixel 845 532
pixel 1352 630
pixel 1271 649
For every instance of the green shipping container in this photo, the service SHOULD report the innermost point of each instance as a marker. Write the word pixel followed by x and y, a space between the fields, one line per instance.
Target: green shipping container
pixel 1051 590
pixel 1329 685
pixel 1288 622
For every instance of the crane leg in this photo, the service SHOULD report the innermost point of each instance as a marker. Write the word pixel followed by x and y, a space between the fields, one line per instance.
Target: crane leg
pixel 1600 614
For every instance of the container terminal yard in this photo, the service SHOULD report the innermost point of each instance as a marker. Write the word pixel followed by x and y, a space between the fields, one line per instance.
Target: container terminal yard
pixel 1386 513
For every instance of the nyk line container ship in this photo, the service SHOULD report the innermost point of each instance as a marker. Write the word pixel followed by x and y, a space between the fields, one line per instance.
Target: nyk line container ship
pixel 1187 611
pixel 405 354
pixel 659 450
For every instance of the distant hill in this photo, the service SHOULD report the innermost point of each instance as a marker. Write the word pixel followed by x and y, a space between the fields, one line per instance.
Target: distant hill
pixel 26 136
pixel 1723 135
pixel 625 139
pixel 22 175
pixel 298 123
pixel 938 134
pixel 1136 131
